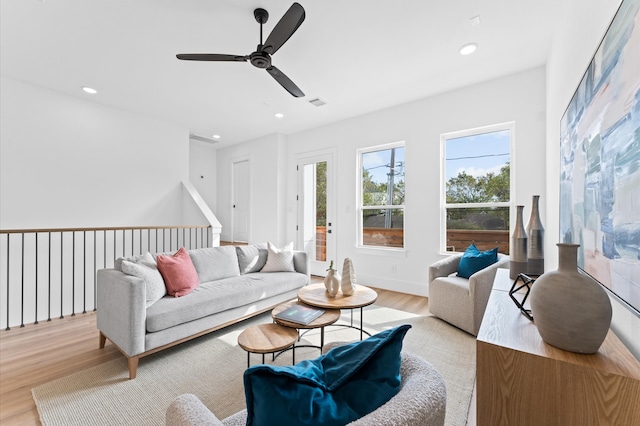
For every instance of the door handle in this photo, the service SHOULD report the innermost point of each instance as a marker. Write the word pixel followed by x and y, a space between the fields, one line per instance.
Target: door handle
pixel 328 231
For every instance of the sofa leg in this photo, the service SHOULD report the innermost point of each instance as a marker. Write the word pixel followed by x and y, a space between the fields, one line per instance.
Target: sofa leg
pixel 103 340
pixel 133 367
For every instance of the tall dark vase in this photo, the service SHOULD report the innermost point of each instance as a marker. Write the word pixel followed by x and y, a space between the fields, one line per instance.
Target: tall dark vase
pixel 518 249
pixel 535 247
pixel 570 309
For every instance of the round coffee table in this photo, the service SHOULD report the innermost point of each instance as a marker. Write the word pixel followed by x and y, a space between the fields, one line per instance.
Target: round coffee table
pixel 327 318
pixel 317 295
pixel 267 338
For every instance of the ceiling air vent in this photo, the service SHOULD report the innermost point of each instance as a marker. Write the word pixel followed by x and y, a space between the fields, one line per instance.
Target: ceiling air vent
pixel 202 138
pixel 317 102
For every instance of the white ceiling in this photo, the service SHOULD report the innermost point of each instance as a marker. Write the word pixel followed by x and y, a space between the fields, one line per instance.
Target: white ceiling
pixel 357 55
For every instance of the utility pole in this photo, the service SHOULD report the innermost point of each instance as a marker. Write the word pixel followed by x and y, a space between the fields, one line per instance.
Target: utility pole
pixel 390 182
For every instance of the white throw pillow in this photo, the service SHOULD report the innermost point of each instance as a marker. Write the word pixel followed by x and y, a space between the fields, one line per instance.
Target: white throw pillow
pixel 279 260
pixel 147 269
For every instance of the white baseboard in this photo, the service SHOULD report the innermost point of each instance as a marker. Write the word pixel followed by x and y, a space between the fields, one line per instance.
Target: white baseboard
pixel 409 287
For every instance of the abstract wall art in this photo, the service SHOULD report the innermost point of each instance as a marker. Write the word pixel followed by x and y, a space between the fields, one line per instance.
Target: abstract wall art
pixel 600 161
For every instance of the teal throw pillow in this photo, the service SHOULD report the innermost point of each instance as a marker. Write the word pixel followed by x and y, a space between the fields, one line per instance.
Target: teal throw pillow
pixel 474 260
pixel 339 387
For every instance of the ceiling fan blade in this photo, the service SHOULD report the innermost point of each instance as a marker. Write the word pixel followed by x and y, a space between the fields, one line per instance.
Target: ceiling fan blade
pixel 284 29
pixel 285 82
pixel 210 57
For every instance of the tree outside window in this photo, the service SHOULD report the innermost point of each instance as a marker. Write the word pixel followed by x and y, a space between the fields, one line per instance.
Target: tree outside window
pixel 382 196
pixel 477 189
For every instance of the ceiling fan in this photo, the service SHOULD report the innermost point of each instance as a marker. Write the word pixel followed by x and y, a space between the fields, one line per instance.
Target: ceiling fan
pixel 261 58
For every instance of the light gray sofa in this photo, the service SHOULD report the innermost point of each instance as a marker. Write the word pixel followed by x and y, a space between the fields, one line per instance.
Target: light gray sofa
pixel 461 301
pixel 231 289
pixel 421 401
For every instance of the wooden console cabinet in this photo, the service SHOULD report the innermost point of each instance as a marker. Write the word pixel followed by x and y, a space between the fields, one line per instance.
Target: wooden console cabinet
pixel 523 381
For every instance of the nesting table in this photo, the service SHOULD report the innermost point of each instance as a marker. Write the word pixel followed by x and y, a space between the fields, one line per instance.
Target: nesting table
pixel 316 295
pixel 327 318
pixel 282 335
pixel 267 338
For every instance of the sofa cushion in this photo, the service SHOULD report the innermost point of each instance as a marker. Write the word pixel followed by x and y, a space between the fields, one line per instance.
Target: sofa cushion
pixel 133 259
pixel 180 277
pixel 474 260
pixel 216 296
pixel 147 269
pixel 251 258
pixel 215 263
pixel 341 386
pixel 279 260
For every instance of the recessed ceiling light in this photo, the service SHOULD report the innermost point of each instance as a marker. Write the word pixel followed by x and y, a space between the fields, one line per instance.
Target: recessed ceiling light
pixel 279 115
pixel 216 136
pixel 89 90
pixel 468 48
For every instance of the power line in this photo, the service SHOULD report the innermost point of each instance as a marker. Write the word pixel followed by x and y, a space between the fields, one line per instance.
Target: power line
pixel 478 156
pixel 400 164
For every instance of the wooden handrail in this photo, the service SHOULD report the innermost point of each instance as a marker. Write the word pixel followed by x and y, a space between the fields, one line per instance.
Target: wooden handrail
pixel 117 228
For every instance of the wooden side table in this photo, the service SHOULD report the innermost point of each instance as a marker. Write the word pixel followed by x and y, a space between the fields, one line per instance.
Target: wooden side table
pixel 316 295
pixel 327 318
pixel 521 380
pixel 267 338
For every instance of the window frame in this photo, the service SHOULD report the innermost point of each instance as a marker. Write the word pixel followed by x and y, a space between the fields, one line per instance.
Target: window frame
pixel 511 127
pixel 360 207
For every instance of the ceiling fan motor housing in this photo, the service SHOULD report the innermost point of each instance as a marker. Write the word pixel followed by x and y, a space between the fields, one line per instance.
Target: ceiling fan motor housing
pixel 260 59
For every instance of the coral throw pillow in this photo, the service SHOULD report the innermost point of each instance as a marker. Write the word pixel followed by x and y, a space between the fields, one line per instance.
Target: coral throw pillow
pixel 179 274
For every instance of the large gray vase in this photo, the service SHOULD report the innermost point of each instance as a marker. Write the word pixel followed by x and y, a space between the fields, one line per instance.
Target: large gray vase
pixel 570 309
pixel 518 249
pixel 535 234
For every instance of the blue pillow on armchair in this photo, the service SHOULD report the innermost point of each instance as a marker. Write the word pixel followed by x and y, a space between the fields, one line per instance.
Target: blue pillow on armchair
pixel 344 384
pixel 474 260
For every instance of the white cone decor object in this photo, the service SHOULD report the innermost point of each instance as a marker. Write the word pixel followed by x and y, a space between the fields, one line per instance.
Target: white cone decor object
pixel 570 309
pixel 347 285
pixel 332 281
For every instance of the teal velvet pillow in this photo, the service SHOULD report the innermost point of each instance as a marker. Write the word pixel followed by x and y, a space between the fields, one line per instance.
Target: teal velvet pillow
pixel 474 260
pixel 339 387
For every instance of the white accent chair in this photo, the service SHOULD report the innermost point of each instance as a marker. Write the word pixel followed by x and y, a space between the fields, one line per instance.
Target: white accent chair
pixel 460 301
pixel 421 401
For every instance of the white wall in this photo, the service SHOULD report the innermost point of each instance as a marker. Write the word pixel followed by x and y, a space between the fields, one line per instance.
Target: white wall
pixel 518 98
pixel 574 44
pixel 68 162
pixel 202 170
pixel 266 158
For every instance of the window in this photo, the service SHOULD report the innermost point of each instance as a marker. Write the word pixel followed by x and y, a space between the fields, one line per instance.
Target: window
pixel 476 190
pixel 381 199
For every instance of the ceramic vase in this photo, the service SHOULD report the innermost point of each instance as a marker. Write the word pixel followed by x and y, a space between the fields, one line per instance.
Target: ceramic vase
pixel 518 249
pixel 570 309
pixel 331 281
pixel 348 279
pixel 535 242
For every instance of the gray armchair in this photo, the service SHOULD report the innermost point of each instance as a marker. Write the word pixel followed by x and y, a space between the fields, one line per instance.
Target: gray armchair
pixel 421 401
pixel 460 301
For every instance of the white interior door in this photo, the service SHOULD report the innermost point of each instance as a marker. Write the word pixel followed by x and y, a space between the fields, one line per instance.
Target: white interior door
pixel 241 201
pixel 316 226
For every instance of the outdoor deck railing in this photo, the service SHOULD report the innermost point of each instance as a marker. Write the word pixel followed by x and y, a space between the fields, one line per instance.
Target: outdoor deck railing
pixel 52 272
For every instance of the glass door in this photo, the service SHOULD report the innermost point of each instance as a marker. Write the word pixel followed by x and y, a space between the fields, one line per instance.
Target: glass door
pixel 316 229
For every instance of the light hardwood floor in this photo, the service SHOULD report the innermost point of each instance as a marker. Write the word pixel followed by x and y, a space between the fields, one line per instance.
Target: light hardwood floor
pixel 37 354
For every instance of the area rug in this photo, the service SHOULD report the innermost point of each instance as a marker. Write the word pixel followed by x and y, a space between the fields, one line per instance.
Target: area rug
pixel 211 367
